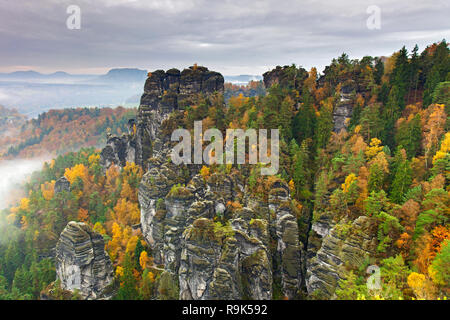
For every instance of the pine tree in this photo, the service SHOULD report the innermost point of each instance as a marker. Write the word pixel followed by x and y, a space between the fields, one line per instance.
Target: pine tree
pixel 128 287
pixel 304 122
pixel 391 113
pixel 409 135
pixel 285 118
pixel 402 182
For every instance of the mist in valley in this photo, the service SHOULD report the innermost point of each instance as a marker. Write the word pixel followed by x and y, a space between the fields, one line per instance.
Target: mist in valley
pixel 13 174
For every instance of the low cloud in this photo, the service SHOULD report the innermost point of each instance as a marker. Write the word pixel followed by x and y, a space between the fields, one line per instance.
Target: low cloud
pixel 13 173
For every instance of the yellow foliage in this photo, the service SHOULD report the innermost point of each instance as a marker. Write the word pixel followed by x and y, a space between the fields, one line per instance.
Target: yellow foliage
pixel 348 182
pixel 116 231
pixel 422 287
pixel 144 260
pixel 131 245
pixel 374 148
pixel 78 171
pixel 292 185
pixel 416 280
pixel 24 204
pixel 126 212
pixel 98 227
pixel 94 159
pixel 204 171
pixel 131 169
pixel 150 276
pixel 445 148
pixel 119 272
pixel 127 192
pixel 48 190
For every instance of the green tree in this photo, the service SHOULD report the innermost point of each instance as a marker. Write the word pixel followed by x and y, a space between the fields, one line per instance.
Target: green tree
pixel 304 122
pixel 128 287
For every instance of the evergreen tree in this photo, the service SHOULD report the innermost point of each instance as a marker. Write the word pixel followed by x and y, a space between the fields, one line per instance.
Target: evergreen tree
pixel 304 122
pixel 409 136
pixel 128 288
pixel 379 70
pixel 391 113
pixel 402 181
pixel 414 71
pixel 285 118
pixel 432 81
pixel 400 78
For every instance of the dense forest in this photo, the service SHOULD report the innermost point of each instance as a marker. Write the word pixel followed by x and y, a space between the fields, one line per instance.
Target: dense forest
pixel 58 131
pixel 387 160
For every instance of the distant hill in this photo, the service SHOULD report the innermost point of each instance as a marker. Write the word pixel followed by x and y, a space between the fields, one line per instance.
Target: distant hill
pixel 242 79
pixel 123 75
pixel 32 93
pixel 113 75
pixel 33 76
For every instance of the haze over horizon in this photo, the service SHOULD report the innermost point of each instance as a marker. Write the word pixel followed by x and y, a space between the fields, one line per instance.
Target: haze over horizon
pixel 226 36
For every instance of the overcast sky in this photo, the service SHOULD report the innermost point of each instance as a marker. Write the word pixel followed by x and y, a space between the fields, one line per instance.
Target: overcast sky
pixel 233 37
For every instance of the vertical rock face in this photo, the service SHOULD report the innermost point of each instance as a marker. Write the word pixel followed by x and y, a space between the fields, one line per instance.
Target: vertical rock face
pixel 287 76
pixel 213 251
pixel 62 184
pixel 164 92
pixel 220 260
pixel 337 247
pixel 120 150
pixel 343 110
pixel 82 263
pixel 288 245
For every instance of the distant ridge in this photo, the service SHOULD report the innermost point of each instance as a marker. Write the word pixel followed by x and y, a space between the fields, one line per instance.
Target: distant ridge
pixel 113 75
pixel 242 79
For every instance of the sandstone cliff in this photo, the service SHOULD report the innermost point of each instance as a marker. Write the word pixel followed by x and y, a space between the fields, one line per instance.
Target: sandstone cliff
pixel 82 263
pixel 334 249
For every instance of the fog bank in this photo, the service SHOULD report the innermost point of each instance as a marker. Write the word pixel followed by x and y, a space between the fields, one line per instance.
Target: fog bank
pixel 13 173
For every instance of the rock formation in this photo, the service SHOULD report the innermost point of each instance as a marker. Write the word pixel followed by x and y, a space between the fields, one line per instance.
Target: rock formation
pixel 82 263
pixel 62 184
pixel 343 110
pixel 285 77
pixel 213 251
pixel 120 150
pixel 333 249
pixel 164 92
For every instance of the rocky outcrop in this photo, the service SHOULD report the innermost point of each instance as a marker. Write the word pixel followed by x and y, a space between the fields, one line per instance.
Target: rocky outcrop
pixel 214 251
pixel 82 263
pixel 343 110
pixel 334 249
pixel 288 245
pixel 164 92
pixel 62 184
pixel 285 77
pixel 120 150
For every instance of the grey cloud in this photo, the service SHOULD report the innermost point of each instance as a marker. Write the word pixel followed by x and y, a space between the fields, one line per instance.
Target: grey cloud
pixel 230 36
